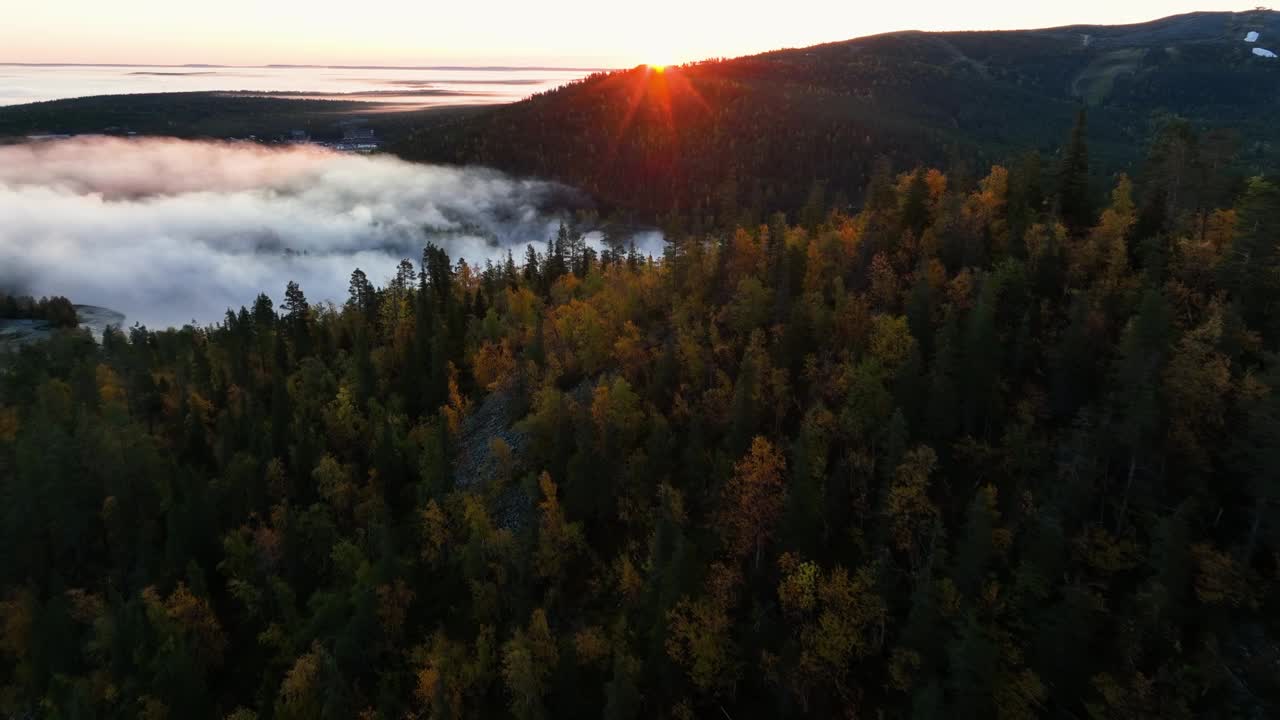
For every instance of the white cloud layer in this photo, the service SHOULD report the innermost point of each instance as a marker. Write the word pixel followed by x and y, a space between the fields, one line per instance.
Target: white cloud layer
pixel 170 231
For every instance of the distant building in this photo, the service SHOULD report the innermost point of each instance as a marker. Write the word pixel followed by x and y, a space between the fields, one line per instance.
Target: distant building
pixel 358 135
pixel 357 139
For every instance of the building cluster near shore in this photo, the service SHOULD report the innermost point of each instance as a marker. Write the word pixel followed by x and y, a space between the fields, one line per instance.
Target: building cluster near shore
pixel 354 140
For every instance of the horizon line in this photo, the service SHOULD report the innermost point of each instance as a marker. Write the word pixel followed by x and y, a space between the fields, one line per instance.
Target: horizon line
pixel 287 66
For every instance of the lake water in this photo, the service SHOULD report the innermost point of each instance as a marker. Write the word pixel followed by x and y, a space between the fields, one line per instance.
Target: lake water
pixel 419 86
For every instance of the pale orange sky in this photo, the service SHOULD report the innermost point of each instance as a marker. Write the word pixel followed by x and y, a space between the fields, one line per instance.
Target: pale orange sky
pixel 552 32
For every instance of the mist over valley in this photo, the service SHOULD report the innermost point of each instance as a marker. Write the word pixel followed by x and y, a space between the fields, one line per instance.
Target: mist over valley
pixel 169 231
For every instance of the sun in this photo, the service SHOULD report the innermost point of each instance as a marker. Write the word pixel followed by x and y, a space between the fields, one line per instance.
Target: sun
pixel 655 94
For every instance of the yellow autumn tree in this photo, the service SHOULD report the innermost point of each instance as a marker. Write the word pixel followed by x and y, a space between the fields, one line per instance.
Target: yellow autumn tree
pixel 456 409
pixel 985 209
pixel 300 692
pixel 699 632
pixel 912 513
pixel 616 413
pixel 528 661
pixel 190 617
pixel 435 532
pixel 558 540
pixel 493 364
pixel 884 283
pixel 9 424
pixel 630 352
pixel 746 256
pixel 1105 255
pixel 110 389
pixel 754 498
pixel 850 624
pixel 393 607
pixel 837 618
pixel 891 341
pixel 1197 385
pixel 578 338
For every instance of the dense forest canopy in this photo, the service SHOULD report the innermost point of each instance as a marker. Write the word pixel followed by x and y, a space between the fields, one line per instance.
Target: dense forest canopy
pixel 57 311
pixel 981 449
pixel 715 142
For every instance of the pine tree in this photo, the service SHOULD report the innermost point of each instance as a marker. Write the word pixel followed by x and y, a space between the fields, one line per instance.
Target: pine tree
pixel 509 273
pixel 915 206
pixel 1073 180
pixel 530 271
pixel 1026 200
pixel 972 668
pixel 1249 270
pixel 815 207
pixel 295 301
pixel 976 548
pixel 1136 377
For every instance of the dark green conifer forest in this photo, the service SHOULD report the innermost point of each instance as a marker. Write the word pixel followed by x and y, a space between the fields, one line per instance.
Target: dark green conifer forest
pixel 1001 447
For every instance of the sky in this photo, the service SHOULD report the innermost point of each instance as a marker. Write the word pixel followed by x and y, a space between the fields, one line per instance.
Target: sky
pixel 582 33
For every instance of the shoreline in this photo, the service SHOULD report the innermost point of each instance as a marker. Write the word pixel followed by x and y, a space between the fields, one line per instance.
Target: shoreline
pixel 18 333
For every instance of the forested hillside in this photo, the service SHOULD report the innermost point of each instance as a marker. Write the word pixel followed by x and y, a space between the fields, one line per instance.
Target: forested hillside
pixel 215 115
pixel 723 138
pixel 982 449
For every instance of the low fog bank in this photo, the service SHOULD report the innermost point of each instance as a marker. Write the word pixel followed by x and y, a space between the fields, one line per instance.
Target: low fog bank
pixel 170 231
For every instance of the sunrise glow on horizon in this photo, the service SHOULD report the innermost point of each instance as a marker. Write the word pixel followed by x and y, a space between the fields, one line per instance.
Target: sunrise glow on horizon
pixel 576 33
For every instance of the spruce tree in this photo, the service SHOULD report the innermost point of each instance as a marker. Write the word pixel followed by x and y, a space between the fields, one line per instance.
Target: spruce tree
pixel 915 207
pixel 1073 179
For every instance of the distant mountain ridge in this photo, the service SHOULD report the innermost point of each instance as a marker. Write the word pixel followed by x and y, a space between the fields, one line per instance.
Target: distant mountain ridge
pixel 756 130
